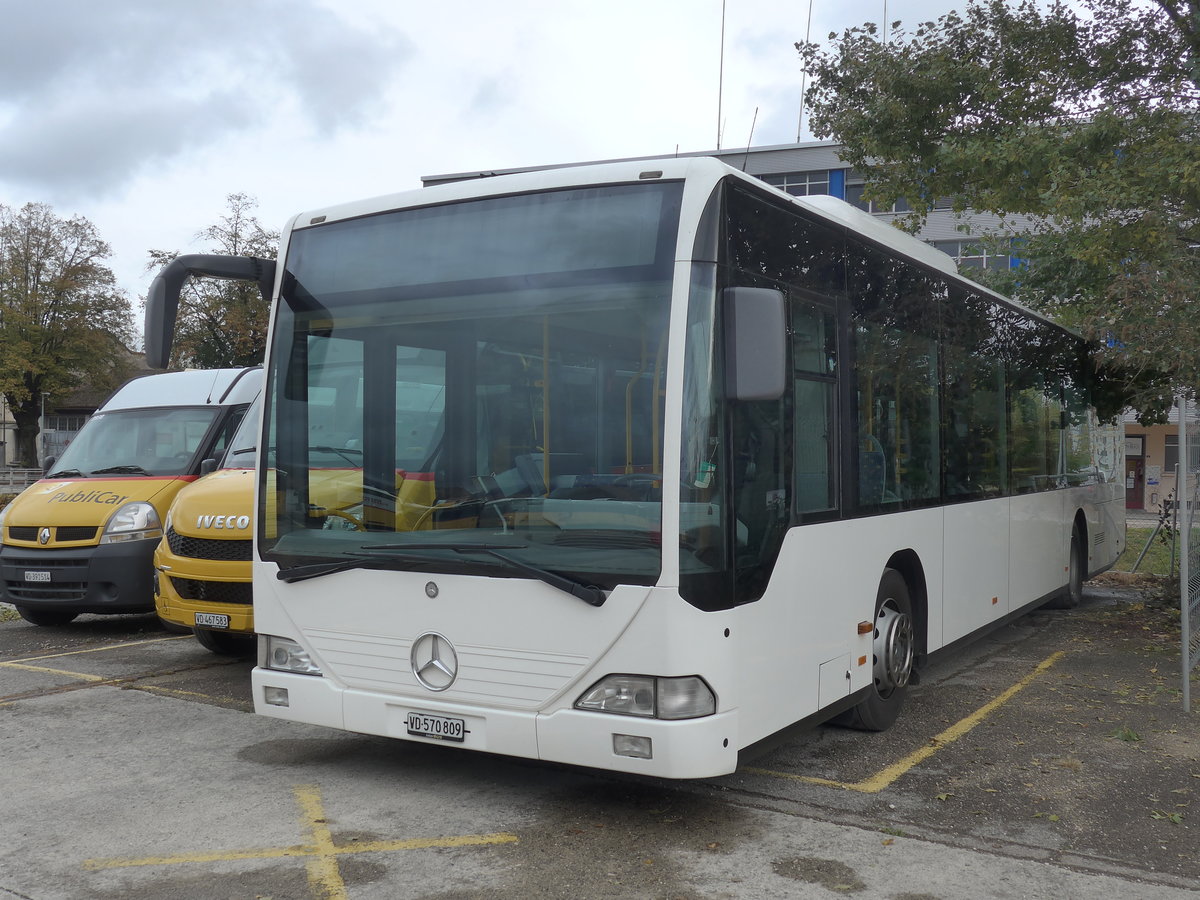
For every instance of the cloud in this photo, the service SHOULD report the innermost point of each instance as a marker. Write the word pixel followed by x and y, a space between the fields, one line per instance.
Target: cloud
pixel 93 93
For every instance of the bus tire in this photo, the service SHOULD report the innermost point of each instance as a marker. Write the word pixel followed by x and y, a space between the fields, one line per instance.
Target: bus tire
pixel 893 648
pixel 225 643
pixel 1072 595
pixel 45 616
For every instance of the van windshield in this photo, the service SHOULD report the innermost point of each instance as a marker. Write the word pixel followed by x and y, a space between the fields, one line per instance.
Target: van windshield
pixel 162 441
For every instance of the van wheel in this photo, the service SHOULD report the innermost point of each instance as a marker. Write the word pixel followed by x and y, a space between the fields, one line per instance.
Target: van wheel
pixel 893 649
pixel 225 643
pixel 1072 595
pixel 45 616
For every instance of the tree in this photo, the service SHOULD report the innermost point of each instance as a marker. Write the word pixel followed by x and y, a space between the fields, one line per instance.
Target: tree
pixel 63 321
pixel 223 323
pixel 1082 131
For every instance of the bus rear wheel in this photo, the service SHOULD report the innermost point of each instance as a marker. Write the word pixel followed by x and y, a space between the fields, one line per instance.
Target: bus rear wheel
pixel 45 616
pixel 893 649
pixel 1072 595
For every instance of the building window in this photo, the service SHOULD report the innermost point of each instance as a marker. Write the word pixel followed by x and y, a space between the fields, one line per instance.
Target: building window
pixel 972 255
pixel 1170 454
pixel 801 184
pixel 64 423
pixel 854 195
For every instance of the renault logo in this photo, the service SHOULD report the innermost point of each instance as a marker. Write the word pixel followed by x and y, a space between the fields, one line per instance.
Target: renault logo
pixel 44 536
pixel 434 662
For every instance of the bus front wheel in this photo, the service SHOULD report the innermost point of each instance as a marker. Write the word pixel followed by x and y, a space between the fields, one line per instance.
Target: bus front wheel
pixel 892 648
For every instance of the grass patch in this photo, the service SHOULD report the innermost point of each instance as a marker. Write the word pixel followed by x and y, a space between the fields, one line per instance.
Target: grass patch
pixel 1158 558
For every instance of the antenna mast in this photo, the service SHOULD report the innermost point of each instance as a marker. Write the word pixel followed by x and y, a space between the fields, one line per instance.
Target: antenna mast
pixel 721 75
pixel 804 77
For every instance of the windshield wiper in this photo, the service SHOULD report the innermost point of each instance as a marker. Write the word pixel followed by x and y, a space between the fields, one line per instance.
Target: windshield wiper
pixel 589 594
pixel 343 452
pixel 316 570
pixel 67 473
pixel 121 470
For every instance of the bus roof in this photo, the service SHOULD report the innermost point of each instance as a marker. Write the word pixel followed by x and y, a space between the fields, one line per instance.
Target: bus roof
pixel 194 387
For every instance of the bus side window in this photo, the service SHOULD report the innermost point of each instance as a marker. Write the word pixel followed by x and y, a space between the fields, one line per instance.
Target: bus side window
pixel 814 364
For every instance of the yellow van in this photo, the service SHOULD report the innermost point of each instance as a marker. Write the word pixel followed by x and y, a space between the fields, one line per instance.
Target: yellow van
pixel 82 539
pixel 202 564
pixel 203 561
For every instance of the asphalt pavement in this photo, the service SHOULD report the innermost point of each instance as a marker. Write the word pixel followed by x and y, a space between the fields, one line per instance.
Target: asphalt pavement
pixel 1053 759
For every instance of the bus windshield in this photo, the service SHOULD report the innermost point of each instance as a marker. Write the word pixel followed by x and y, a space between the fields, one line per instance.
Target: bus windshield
pixel 475 387
pixel 138 442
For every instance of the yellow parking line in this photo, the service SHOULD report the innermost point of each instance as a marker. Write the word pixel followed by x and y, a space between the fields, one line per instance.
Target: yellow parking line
pixel 48 670
pixel 105 648
pixel 884 778
pixel 172 692
pixel 321 852
pixel 323 872
pixel 24 662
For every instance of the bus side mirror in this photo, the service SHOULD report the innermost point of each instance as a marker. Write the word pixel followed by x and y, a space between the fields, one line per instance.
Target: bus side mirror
pixel 162 300
pixel 755 343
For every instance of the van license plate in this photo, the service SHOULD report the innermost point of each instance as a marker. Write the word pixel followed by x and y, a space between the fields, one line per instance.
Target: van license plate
pixel 212 620
pixel 36 576
pixel 440 728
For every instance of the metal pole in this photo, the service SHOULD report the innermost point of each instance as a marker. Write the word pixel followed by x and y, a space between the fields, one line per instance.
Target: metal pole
pixel 1183 493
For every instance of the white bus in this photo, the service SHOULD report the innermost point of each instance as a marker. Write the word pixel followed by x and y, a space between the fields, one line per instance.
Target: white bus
pixel 648 461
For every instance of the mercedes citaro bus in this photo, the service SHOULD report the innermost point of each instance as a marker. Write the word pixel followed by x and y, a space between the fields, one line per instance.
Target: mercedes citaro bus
pixel 698 460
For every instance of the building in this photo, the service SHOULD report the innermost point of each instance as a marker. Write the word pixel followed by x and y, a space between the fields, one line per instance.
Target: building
pixel 1151 461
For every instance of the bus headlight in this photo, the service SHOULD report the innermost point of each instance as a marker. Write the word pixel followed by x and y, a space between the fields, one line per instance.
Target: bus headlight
pixel 137 521
pixel 285 655
pixel 645 695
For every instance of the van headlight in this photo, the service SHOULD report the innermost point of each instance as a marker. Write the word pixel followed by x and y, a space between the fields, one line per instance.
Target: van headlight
pixel 285 655
pixel 649 696
pixel 137 521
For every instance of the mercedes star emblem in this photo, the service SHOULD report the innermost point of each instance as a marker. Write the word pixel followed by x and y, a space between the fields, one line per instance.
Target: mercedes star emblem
pixel 434 661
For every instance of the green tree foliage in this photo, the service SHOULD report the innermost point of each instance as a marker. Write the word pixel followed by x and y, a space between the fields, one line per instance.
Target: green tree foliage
pixel 63 321
pixel 1079 129
pixel 223 323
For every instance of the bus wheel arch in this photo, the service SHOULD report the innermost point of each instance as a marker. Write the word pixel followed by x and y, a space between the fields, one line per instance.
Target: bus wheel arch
pixel 894 645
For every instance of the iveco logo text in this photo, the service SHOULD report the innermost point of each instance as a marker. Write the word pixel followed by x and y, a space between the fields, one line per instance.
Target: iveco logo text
pixel 223 521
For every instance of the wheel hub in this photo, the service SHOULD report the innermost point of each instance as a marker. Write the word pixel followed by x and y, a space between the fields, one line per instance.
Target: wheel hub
pixel 893 649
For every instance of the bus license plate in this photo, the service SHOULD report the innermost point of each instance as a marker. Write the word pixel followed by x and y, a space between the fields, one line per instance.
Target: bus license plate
pixel 36 576
pixel 212 620
pixel 440 728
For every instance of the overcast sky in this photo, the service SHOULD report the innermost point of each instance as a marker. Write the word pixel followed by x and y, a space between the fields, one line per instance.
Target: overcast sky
pixel 143 115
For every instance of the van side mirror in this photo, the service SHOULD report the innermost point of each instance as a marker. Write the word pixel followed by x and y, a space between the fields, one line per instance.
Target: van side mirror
pixel 755 327
pixel 207 466
pixel 48 463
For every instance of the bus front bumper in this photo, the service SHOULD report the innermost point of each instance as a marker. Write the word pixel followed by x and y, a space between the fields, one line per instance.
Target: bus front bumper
pixel 687 748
